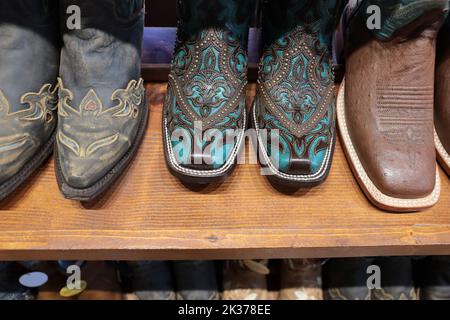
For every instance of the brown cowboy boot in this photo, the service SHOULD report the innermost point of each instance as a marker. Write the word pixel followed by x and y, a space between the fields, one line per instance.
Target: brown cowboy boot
pixel 387 99
pixel 245 280
pixel 301 279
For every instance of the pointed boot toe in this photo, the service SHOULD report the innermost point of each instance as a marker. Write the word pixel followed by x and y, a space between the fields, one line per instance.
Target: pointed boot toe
pixel 102 107
pixel 28 41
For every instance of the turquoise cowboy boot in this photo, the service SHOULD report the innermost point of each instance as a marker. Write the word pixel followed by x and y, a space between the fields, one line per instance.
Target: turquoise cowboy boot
pixel 294 111
pixel 204 112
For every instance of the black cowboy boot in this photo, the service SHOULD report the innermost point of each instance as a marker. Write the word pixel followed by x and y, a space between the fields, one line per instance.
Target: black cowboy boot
pixel 346 279
pixel 397 281
pixel 10 288
pixel 196 280
pixel 435 278
pixel 204 114
pixel 102 109
pixel 148 280
pixel 29 62
pixel 294 111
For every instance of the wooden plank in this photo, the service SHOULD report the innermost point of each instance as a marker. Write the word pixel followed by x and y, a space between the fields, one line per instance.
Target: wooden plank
pixel 149 214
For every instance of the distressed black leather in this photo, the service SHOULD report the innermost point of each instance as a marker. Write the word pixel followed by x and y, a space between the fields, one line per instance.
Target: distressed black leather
pixel 149 280
pixel 102 98
pixel 346 279
pixel 29 62
pixel 196 280
pixel 435 278
pixel 10 288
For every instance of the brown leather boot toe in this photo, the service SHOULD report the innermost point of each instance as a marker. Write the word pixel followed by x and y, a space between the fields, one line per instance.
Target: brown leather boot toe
pixel 385 105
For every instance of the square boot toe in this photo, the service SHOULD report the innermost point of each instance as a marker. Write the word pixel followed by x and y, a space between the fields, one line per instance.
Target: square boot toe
pixel 396 180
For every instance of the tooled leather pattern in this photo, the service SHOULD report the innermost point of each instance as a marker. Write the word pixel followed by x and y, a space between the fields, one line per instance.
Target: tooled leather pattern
pixel 208 80
pixel 105 125
pixel 296 89
pixel 25 130
pixel 207 85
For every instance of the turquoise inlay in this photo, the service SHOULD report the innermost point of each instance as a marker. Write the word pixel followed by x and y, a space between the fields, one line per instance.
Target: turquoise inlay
pixel 210 67
pixel 288 24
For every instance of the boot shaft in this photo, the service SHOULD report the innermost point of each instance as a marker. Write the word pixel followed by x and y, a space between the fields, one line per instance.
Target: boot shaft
pixel 403 17
pixel 106 49
pixel 29 12
pixel 315 16
pixel 231 15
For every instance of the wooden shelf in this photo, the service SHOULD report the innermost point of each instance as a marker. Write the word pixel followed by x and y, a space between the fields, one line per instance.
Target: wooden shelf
pixel 149 214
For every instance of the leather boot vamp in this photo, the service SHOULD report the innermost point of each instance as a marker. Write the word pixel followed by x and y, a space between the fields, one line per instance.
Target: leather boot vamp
pixel 295 99
pixel 101 94
pixel 389 111
pixel 29 62
pixel 204 110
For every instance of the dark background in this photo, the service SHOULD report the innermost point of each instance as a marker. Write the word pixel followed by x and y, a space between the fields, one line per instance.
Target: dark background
pixel 161 13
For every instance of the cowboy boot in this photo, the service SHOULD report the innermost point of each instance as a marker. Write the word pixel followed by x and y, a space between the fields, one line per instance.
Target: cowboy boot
pixel 102 282
pixel 294 110
pixel 346 279
pixel 204 114
pixel 196 280
pixel 387 100
pixel 442 97
pixel 29 62
pixel 102 109
pixel 435 278
pixel 397 282
pixel 245 280
pixel 301 279
pixel 98 281
pixel 10 288
pixel 148 280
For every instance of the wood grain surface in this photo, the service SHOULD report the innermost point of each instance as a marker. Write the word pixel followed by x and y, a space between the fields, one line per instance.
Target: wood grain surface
pixel 149 214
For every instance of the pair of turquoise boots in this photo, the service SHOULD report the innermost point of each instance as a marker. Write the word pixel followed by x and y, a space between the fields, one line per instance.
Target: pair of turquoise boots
pixel 293 115
pixel 205 117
